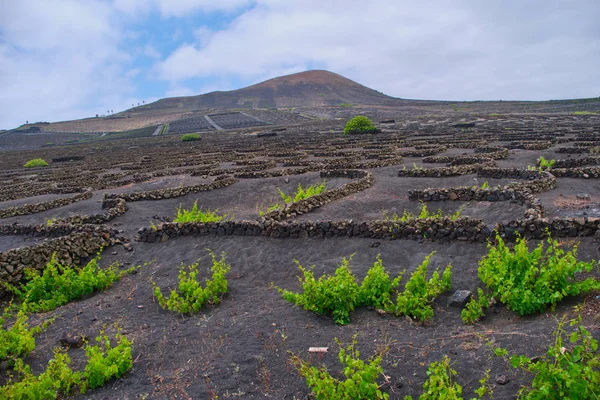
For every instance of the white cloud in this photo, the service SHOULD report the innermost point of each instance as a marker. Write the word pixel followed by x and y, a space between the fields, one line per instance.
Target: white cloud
pixel 467 50
pixel 59 60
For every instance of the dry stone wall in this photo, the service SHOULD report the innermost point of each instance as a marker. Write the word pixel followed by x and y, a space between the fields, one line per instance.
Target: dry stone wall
pixel 361 180
pixel 43 206
pixel 218 183
pixel 69 250
pixel 446 229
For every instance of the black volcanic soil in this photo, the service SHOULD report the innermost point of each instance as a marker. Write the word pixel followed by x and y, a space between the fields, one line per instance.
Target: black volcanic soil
pixel 239 349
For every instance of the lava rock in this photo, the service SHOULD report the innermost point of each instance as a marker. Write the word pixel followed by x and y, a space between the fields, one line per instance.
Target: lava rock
pixel 460 298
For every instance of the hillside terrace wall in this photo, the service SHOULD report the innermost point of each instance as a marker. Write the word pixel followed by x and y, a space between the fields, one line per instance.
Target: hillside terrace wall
pixel 43 206
pixel 581 172
pixel 361 180
pixel 69 250
pixel 159 194
pixel 577 162
pixel 483 156
pixel 464 229
pixel 443 172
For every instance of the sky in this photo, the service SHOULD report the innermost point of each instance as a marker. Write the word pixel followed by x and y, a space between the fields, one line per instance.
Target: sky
pixel 69 59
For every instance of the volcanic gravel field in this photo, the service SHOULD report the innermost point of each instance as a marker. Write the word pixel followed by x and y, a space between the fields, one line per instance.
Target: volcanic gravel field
pixel 240 348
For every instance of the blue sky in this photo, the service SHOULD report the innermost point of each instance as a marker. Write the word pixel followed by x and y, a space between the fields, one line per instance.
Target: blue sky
pixel 67 59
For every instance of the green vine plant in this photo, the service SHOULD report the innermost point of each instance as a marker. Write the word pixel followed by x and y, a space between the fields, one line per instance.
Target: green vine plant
pixel 424 213
pixel 569 370
pixel 338 295
pixel 529 281
pixel 419 292
pixel 440 383
pixel 191 296
pixel 303 194
pixel 18 340
pixel 360 377
pixel 104 362
pixel 544 164
pixel 300 194
pixel 197 215
pixel 59 284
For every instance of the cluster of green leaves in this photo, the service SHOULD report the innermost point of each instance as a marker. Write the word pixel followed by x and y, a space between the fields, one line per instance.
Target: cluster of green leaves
pixel 192 296
pixel 335 295
pixel 440 383
pixel 485 185
pixel 189 137
pixel 16 341
pixel 59 284
pixel 274 207
pixel 423 214
pixel 544 164
pixel 104 363
pixel 475 308
pixel 359 124
pixel 563 373
pixel 36 162
pixel 340 294
pixel 419 292
pixel 197 215
pixel 360 381
pixel 585 113
pixel 302 194
pixel 528 281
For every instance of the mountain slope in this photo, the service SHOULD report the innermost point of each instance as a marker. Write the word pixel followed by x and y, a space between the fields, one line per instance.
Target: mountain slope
pixel 315 88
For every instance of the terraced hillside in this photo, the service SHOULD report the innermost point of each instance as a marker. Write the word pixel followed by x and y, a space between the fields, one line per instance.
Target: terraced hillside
pixel 122 198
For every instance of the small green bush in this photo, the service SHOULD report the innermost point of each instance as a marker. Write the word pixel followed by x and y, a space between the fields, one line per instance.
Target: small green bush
pixel 188 137
pixel 16 341
pixel 545 164
pixel 564 373
pixel 106 362
pixel 359 124
pixel 36 162
pixel 423 214
pixel 59 284
pixel 475 308
pixel 376 289
pixel 440 384
pixel 360 381
pixel 335 295
pixel 192 296
pixel 528 282
pixel 59 380
pixel 197 215
pixel 419 292
pixel 340 294
pixel 302 194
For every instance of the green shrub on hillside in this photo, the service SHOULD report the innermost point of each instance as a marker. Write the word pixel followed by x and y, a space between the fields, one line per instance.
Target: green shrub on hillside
pixel 340 294
pixel 191 296
pixel 529 281
pixel 59 284
pixel 36 162
pixel 197 215
pixel 188 137
pixel 359 124
pixel 360 377
pixel 302 194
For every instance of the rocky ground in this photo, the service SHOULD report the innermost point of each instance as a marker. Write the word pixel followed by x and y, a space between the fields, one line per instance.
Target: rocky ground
pixel 240 348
